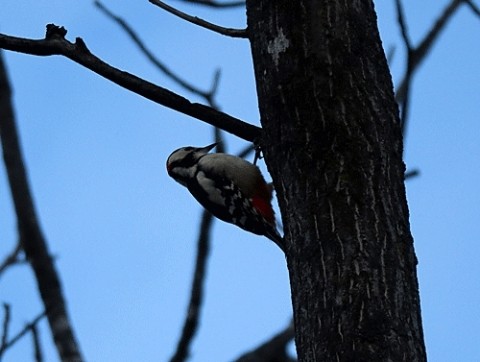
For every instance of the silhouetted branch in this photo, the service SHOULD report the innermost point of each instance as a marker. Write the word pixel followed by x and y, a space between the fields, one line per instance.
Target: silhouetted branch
pixel 216 4
pixel 5 327
pixel 210 97
pixel 149 54
pixel 246 151
pixel 191 321
pixel 427 43
pixel 411 174
pixel 235 33
pixel 190 325
pixel 28 327
pixel 402 24
pixel 408 73
pixel 203 246
pixel 37 348
pixel 31 236
pixel 473 7
pixel 419 53
pixel 55 44
pixel 416 55
pixel 12 258
pixel 275 349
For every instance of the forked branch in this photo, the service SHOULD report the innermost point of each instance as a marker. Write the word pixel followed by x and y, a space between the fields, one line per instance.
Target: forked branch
pixel 55 44
pixel 208 95
pixel 234 33
pixel 416 55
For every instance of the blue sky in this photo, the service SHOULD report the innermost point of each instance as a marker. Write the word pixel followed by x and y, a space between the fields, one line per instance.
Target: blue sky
pixel 123 233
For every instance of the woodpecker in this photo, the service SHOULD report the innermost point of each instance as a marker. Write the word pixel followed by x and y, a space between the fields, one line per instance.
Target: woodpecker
pixel 229 187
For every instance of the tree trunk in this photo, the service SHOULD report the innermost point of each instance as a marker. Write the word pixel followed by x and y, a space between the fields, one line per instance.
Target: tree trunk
pixel 333 144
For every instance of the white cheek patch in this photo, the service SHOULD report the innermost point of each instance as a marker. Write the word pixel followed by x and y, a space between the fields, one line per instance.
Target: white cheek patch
pixel 180 174
pixel 214 194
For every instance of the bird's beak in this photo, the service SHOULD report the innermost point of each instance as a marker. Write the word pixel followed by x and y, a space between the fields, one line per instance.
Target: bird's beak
pixel 206 149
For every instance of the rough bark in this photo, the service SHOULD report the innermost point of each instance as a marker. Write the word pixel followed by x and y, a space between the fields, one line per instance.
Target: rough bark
pixel 333 143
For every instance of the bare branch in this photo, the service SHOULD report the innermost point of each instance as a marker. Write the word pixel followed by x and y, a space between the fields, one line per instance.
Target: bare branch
pixel 403 25
pixel 6 325
pixel 190 325
pixel 415 56
pixel 78 52
pixel 408 74
pixel 421 51
pixel 246 151
pixel 473 7
pixel 426 44
pixel 12 258
pixel 143 48
pixel 191 322
pixel 31 236
pixel 210 97
pixel 24 331
pixel 275 349
pixel 207 95
pixel 196 296
pixel 216 4
pixel 234 33
pixel 411 174
pixel 37 349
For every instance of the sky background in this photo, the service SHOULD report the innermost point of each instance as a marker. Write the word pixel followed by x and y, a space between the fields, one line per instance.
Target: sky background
pixel 124 234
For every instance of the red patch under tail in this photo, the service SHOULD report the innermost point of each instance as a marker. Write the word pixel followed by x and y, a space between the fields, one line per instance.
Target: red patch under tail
pixel 264 207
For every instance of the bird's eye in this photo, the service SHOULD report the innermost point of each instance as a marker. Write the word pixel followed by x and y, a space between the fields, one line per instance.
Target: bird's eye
pixel 170 166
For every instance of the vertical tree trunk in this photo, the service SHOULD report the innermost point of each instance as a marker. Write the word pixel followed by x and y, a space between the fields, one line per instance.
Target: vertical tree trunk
pixel 334 147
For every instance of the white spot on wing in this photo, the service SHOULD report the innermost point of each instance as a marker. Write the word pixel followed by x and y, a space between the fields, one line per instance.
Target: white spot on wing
pixel 214 194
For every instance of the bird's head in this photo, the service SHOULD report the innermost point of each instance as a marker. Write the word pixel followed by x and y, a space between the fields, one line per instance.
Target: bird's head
pixel 181 164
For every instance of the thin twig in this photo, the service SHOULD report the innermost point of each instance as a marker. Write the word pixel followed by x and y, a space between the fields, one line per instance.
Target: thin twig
pixel 37 347
pixel 196 296
pixel 149 54
pixel 5 326
pixel 24 331
pixel 411 174
pixel 234 33
pixel 408 73
pixel 426 44
pixel 246 151
pixel 12 258
pixel 473 7
pixel 190 326
pixel 207 95
pixel 210 96
pixel 275 349
pixel 421 51
pixel 31 236
pixel 403 25
pixel 192 318
pixel 216 4
pixel 78 52
pixel 415 56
